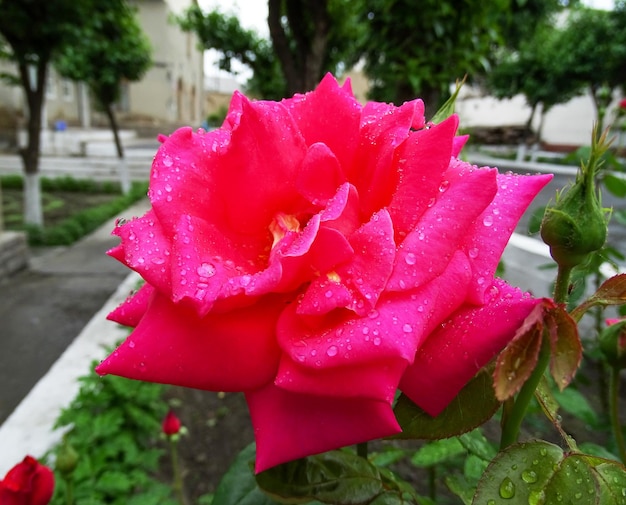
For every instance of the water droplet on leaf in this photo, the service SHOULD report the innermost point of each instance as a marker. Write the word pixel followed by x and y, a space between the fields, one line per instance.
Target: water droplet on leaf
pixel 507 489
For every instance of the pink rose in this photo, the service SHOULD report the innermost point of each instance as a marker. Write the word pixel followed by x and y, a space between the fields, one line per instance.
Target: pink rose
pixel 317 254
pixel 27 483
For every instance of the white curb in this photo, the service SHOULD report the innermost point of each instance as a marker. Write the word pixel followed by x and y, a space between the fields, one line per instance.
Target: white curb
pixel 28 430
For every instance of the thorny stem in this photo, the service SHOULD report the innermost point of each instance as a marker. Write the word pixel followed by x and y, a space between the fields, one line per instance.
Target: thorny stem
pixel 178 481
pixel 614 411
pixel 513 421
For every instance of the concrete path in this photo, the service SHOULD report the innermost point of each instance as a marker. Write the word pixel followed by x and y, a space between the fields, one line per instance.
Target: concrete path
pixel 44 308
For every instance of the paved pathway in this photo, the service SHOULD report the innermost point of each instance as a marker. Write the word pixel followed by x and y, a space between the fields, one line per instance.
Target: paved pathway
pixel 43 308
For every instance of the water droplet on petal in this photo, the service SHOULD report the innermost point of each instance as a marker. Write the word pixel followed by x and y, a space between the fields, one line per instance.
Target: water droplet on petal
pixel 206 270
pixel 407 328
pixel 131 344
pixel 443 186
pixel 488 220
pixel 167 161
pixel 377 341
pixel 473 252
pixel 410 258
pixel 328 294
pixel 332 351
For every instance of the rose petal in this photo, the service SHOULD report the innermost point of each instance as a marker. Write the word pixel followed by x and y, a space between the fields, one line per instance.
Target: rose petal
pixel 383 128
pixel 422 160
pixel 288 426
pixel 329 115
pixel 394 330
pixel 443 228
pixel 145 248
pixel 130 312
pixel 232 351
pixel 463 344
pixel 458 143
pixel 488 236
pixel 320 174
pixel 375 381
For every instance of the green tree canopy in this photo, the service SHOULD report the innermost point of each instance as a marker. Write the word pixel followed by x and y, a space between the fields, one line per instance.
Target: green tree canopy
pixel 34 31
pixel 110 47
pixel 596 41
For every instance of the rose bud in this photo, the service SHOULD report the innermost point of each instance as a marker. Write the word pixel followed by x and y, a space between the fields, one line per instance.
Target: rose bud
pixel 171 424
pixel 576 225
pixel 67 458
pixel 613 343
pixel 27 483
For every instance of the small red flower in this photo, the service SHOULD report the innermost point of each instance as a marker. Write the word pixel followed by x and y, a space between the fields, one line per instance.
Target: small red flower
pixel 27 483
pixel 171 424
pixel 622 104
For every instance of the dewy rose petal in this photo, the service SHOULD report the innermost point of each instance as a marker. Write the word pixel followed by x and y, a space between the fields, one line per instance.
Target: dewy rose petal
pixel 317 255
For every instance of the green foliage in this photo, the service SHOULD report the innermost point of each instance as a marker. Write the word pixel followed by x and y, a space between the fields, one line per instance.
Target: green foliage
pixel 413 51
pixel 83 222
pixel 540 69
pixel 107 48
pixel 70 230
pixel 540 472
pixel 113 425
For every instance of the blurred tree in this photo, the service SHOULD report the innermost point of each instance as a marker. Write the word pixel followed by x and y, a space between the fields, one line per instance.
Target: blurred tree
pixel 108 48
pixel 420 50
pixel 541 69
pixel 596 40
pixel 34 31
pixel 308 38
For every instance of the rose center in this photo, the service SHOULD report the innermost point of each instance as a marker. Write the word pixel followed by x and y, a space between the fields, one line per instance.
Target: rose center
pixel 281 225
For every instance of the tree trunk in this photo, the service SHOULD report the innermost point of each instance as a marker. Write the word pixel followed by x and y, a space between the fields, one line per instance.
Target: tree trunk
pixel 123 167
pixel 34 91
pixel 33 212
pixel 302 59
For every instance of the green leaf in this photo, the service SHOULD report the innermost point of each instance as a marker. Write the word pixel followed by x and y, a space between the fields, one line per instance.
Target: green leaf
pixel 536 217
pixel 611 478
pixel 336 477
pixel 475 404
pixel 615 185
pixel 574 402
pixel 437 451
pixel 447 109
pixel 519 475
pixel 538 472
pixel 476 443
pixel 458 485
pixel 238 485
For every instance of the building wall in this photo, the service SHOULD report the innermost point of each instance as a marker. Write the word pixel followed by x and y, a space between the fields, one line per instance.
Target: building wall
pixel 172 90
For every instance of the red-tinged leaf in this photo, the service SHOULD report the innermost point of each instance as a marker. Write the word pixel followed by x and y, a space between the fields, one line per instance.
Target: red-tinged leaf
pixel 567 350
pixel 611 292
pixel 518 359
